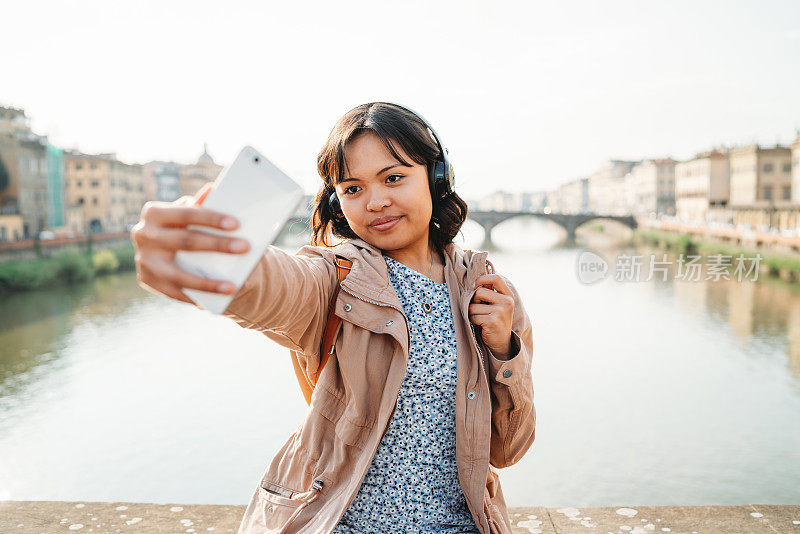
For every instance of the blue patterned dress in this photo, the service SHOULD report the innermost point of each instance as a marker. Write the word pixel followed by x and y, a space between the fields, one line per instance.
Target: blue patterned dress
pixel 412 483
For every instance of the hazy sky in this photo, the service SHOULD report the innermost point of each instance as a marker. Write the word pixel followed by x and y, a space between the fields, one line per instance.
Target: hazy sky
pixel 527 95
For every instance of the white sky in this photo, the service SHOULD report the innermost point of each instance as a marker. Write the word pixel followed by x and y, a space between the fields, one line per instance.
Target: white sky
pixel 527 95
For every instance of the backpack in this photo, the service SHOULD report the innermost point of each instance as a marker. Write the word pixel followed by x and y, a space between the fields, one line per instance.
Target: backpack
pixel 332 323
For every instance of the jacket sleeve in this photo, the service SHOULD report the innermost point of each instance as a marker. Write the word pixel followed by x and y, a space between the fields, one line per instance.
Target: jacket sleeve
pixel 286 298
pixel 511 384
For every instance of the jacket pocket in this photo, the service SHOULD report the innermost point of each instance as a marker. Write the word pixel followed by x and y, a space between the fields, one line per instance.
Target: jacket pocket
pixel 350 427
pixel 276 509
pixel 280 506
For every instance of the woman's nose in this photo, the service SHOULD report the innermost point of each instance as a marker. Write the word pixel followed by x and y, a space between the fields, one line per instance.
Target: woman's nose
pixel 378 200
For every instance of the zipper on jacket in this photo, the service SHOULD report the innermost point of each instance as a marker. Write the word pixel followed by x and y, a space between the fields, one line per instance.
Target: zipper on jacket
pixel 489 269
pixel 480 358
pixel 389 420
pixel 474 386
pixel 316 487
pixel 475 342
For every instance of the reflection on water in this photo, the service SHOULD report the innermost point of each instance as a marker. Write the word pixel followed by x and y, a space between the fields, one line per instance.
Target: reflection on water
pixel 35 326
pixel 652 392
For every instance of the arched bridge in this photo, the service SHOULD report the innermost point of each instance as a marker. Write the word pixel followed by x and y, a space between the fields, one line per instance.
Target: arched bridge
pixel 489 219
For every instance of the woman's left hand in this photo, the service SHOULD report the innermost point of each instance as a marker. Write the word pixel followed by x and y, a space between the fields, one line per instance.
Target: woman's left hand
pixel 492 308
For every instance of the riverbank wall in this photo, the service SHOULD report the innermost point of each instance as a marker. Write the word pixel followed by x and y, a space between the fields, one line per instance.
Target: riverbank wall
pixel 779 256
pixel 34 249
pixel 45 517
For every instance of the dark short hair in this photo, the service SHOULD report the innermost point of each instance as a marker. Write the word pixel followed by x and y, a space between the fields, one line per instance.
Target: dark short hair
pixel 388 122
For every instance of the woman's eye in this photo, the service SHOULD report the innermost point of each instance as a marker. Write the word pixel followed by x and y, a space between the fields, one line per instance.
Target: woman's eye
pixel 348 188
pixel 397 175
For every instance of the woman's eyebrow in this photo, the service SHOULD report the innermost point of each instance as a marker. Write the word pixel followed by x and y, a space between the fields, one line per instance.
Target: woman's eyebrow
pixel 392 166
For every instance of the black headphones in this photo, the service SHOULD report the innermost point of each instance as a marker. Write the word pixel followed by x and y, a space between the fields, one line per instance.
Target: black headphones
pixel 441 178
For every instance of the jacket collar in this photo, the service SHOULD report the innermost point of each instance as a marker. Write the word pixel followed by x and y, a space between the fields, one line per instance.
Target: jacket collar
pixel 369 277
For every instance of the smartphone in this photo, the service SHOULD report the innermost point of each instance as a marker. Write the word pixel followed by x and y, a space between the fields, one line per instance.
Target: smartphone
pixel 263 198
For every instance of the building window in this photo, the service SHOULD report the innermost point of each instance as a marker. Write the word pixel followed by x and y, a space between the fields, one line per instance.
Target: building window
pixel 787 167
pixel 95 183
pixel 78 166
pixel 787 192
pixel 93 165
pixel 768 167
pixel 94 201
pixel 79 183
pixel 81 201
pixel 767 193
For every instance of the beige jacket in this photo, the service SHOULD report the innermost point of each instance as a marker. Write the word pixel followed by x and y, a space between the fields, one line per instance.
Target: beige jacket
pixel 316 474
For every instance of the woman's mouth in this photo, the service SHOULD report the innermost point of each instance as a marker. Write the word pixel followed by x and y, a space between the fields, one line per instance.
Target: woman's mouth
pixel 388 225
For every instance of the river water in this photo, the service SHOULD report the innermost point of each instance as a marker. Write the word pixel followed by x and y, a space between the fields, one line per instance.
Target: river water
pixel 647 392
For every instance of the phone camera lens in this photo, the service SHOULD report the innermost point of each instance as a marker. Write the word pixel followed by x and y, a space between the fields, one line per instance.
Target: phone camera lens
pixel 255 159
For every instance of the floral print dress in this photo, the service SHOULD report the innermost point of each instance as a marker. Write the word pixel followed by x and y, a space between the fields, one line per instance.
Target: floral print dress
pixel 412 483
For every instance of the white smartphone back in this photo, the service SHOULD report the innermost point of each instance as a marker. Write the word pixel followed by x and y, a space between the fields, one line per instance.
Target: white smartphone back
pixel 262 198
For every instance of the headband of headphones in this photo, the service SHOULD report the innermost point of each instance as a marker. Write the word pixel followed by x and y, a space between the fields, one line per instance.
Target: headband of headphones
pixel 441 178
pixel 441 172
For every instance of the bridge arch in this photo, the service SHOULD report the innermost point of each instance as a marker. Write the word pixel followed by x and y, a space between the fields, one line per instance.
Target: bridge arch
pixel 489 219
pixel 570 222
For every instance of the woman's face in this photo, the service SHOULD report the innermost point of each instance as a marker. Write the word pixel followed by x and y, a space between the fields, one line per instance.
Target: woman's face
pixel 376 186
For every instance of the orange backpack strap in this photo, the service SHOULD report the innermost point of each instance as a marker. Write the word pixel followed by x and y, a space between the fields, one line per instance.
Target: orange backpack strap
pixel 328 336
pixel 333 322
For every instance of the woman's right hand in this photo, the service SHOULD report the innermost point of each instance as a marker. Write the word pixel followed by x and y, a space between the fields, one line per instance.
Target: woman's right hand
pixel 161 231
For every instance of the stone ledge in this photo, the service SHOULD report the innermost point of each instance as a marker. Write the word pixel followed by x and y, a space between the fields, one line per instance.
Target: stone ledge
pixel 44 517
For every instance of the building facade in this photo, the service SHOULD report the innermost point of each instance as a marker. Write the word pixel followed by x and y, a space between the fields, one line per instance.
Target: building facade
pixel 161 181
pixel 110 193
pixel 505 201
pixel 56 216
pixel 572 197
pixel 702 183
pixel 761 187
pixel 760 175
pixel 31 179
pixel 651 187
pixel 192 177
pixel 13 121
pixel 608 189
pixel 24 157
pixel 796 170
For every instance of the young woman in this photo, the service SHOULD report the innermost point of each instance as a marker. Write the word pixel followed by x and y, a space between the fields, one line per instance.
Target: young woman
pixel 430 387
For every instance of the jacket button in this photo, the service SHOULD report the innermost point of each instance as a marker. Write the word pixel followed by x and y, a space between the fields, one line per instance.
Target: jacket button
pixel 471 395
pixel 507 373
pixel 347 307
pixel 389 323
pixel 271 509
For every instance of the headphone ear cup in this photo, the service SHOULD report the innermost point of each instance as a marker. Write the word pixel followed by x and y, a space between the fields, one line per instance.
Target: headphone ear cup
pixel 451 178
pixel 440 178
pixel 432 179
pixel 336 207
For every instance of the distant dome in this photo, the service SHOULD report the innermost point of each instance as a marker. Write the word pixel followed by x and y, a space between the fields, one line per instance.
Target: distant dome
pixel 205 157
